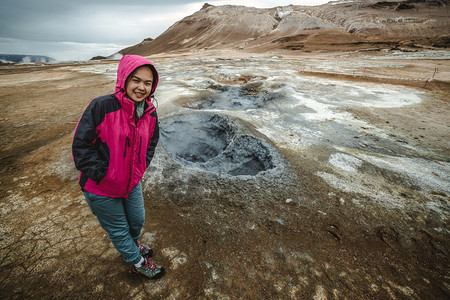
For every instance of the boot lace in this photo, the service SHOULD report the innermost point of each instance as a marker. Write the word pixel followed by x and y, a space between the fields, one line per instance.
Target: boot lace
pixel 151 266
pixel 141 248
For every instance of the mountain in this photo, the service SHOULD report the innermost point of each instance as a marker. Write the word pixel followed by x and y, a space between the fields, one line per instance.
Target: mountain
pixel 337 25
pixel 25 58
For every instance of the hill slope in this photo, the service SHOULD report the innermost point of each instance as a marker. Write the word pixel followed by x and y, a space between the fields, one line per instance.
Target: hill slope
pixel 340 25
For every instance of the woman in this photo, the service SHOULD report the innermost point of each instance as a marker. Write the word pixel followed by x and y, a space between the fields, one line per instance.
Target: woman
pixel 113 144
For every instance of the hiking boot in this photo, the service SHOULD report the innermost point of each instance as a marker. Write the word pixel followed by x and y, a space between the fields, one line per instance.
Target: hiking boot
pixel 144 250
pixel 149 269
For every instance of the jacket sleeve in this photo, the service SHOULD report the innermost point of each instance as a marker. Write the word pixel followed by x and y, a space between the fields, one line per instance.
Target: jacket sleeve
pixel 154 141
pixel 85 145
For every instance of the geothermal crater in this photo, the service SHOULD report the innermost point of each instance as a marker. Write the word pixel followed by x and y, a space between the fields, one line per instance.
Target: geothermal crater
pixel 252 95
pixel 214 143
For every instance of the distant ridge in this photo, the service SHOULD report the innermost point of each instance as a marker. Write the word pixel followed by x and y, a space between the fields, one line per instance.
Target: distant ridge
pixel 335 26
pixel 22 58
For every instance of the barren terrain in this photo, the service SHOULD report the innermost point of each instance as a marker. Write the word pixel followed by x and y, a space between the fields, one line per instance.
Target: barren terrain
pixel 316 176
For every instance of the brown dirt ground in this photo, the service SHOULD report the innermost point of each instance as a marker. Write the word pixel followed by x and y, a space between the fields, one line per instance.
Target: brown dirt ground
pixel 229 245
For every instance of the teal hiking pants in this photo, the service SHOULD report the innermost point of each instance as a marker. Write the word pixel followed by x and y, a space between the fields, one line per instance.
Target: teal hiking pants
pixel 122 219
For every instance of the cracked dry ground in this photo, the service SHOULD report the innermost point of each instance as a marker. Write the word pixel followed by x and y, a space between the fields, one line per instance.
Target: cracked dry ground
pixel 217 238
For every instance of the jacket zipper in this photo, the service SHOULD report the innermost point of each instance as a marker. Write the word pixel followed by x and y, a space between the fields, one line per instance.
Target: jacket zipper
pixel 130 173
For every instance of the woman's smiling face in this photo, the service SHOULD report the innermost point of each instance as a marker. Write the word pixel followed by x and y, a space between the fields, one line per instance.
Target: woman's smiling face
pixel 139 85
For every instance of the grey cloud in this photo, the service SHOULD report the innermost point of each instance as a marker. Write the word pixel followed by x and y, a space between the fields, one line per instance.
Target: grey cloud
pixel 56 20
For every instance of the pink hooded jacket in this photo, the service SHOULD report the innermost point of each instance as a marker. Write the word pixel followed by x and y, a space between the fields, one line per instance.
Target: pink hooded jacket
pixel 110 148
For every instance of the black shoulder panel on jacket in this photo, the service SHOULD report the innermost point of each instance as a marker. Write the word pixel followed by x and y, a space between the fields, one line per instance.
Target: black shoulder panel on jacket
pixel 104 105
pixel 153 114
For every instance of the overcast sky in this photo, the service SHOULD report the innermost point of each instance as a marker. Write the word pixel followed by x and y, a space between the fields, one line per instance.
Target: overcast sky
pixel 29 24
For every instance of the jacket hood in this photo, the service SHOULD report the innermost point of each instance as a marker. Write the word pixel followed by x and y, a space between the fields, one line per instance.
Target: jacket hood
pixel 127 65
